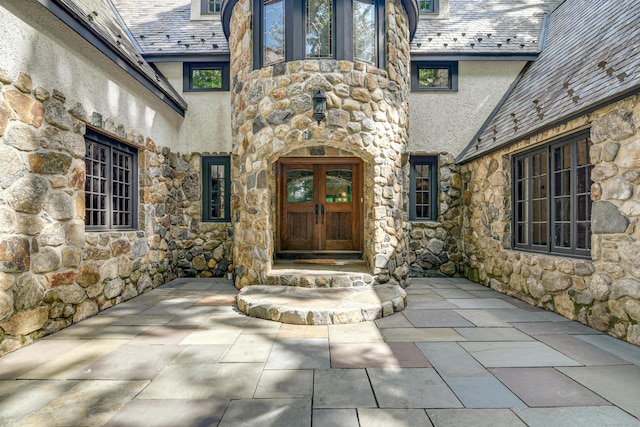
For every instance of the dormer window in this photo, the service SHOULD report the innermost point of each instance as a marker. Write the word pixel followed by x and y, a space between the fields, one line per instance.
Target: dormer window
pixel 289 30
pixel 211 7
pixel 428 6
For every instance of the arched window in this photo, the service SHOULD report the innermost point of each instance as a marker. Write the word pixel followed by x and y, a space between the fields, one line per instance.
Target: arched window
pixel 289 30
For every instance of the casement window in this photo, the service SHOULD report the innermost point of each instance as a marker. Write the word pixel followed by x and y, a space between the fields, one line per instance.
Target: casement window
pixel 428 6
pixel 288 30
pixel 111 183
pixel 210 7
pixel 205 76
pixel 423 192
pixel 216 188
pixel 434 76
pixel 552 198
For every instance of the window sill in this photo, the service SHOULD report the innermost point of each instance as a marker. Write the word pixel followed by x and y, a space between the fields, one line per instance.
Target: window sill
pixel 570 257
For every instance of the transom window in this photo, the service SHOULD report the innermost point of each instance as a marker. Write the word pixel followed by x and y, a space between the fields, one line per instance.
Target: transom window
pixel 552 198
pixel 111 183
pixel 434 76
pixel 216 188
pixel 423 194
pixel 205 76
pixel 288 30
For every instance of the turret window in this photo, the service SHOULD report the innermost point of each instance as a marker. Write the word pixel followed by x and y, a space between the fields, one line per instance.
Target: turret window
pixel 289 30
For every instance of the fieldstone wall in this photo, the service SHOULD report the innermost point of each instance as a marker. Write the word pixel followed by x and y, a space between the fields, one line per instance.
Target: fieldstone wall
pixel 435 247
pixel 52 272
pixel 603 292
pixel 366 118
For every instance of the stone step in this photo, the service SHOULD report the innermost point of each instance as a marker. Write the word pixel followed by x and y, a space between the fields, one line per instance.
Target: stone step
pixel 321 306
pixel 343 274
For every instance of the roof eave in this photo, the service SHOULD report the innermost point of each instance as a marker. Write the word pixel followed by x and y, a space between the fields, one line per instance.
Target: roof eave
pixel 179 105
pixel 461 159
pixel 474 56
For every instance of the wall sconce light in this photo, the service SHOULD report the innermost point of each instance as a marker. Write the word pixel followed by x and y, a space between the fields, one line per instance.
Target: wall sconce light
pixel 319 105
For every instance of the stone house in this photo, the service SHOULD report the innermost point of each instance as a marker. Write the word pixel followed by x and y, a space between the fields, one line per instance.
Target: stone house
pixel 489 139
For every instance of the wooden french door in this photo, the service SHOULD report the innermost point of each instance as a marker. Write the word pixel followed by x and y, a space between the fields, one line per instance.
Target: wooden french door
pixel 319 204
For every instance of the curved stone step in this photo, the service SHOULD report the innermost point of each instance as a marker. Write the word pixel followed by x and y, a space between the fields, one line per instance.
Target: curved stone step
pixel 321 306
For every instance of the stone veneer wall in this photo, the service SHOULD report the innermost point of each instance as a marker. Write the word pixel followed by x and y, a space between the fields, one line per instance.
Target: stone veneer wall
pixel 52 272
pixel 435 247
pixel 366 117
pixel 604 292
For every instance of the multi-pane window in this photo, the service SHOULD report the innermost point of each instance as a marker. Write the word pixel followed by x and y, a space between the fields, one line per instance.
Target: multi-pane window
pixel 319 23
pixel 423 194
pixel 434 76
pixel 552 198
pixel 211 6
pixel 216 188
pixel 291 30
pixel 428 6
pixel 364 31
pixel 111 183
pixel 206 76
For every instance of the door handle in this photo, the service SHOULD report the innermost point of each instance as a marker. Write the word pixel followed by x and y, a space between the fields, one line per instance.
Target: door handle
pixel 322 211
pixel 317 212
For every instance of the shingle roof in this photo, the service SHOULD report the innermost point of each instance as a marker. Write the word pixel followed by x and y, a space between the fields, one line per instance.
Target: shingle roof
pixel 592 57
pixel 102 20
pixel 164 27
pixel 484 26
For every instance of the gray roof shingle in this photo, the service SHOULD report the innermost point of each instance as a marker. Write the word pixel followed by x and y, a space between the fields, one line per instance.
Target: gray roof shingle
pixel 592 57
pixel 102 19
pixel 484 26
pixel 164 27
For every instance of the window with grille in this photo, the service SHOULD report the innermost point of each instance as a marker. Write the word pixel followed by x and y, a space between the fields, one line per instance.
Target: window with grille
pixel 111 183
pixel 424 188
pixel 552 198
pixel 210 7
pixel 428 6
pixel 216 187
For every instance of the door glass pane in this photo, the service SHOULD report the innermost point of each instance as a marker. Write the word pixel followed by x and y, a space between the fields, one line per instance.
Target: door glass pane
pixel 364 31
pixel 319 29
pixel 339 185
pixel 299 185
pixel 274 32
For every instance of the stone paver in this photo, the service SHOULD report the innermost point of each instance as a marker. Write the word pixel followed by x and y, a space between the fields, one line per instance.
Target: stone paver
pixel 269 412
pixel 393 417
pixel 411 388
pixel 474 417
pixel 500 354
pixel 175 356
pixel 282 383
pixel 546 387
pixel 377 355
pixel 620 385
pixel 164 413
pixel 335 418
pixel 580 416
pixel 342 388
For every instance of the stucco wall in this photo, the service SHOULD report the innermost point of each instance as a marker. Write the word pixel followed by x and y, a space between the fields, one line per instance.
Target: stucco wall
pixel 447 121
pixel 207 122
pixel 56 57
